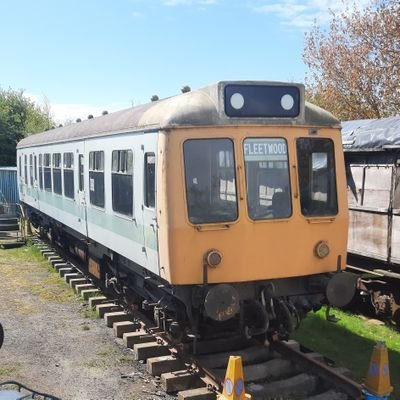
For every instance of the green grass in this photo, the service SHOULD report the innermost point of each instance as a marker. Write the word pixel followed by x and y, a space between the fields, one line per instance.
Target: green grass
pixel 349 342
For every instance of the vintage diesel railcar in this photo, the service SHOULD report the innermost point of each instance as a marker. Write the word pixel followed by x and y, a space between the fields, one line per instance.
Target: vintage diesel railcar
pixel 222 209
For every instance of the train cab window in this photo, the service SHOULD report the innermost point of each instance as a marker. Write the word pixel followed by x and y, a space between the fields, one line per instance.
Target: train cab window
pixel 26 169
pixel 150 180
pixel 41 171
pixel 31 170
pixel 122 182
pixel 267 178
pixel 317 177
pixel 68 172
pixel 210 180
pixel 47 172
pixel 57 188
pixel 96 178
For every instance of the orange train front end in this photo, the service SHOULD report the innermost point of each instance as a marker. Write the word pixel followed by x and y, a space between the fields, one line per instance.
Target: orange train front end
pixel 256 230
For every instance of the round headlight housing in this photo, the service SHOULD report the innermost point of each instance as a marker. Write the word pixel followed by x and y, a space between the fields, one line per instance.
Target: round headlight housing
pixel 213 258
pixel 322 249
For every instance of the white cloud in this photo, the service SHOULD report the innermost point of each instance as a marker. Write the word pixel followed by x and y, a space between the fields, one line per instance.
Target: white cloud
pixel 65 112
pixel 303 13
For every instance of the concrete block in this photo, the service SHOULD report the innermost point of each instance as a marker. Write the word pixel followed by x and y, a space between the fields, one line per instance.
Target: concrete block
pixel 58 265
pixel 74 275
pixel 132 338
pixel 159 365
pixel 180 380
pixel 88 293
pixel 196 394
pixel 63 271
pixel 116 316
pixel 104 308
pixel 83 286
pixel 143 351
pixel 77 281
pixel 125 326
pixel 94 301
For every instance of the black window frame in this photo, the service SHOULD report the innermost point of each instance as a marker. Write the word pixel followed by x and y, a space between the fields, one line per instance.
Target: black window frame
pixel 31 170
pixel 26 169
pixel 47 175
pixel 81 172
pixel 150 180
pixel 315 207
pixel 41 171
pixel 68 175
pixel 122 181
pixel 198 200
pixel 96 178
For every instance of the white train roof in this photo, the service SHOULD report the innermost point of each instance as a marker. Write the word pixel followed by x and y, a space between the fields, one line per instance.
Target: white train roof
pixel 203 107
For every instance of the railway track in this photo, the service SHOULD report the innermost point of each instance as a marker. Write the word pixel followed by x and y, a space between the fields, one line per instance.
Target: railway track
pixel 277 370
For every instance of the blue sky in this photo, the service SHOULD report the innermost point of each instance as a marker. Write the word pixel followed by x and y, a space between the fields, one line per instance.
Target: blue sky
pixel 89 55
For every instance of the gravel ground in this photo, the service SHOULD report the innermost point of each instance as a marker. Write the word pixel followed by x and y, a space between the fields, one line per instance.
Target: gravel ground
pixel 53 342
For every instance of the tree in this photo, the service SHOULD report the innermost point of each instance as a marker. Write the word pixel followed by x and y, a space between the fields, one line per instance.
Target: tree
pixel 355 64
pixel 18 117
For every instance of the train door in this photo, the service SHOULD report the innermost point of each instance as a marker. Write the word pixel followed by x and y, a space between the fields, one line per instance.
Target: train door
pixel 81 192
pixel 150 226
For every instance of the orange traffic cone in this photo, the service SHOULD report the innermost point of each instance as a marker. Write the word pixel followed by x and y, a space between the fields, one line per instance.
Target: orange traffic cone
pixel 377 382
pixel 234 381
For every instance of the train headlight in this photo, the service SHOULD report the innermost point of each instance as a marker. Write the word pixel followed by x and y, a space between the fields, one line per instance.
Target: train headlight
pixel 322 249
pixel 213 258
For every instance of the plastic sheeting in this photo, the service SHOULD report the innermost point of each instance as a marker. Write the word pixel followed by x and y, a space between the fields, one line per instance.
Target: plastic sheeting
pixel 371 134
pixel 8 185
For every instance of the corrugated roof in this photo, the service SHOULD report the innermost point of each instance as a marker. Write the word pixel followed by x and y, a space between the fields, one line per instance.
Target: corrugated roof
pixel 371 134
pixel 203 107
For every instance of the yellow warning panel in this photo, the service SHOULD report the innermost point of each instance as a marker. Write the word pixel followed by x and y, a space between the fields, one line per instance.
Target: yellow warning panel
pixel 377 381
pixel 234 381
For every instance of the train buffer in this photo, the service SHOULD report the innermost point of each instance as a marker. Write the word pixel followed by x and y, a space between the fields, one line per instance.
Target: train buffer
pixel 377 383
pixel 234 381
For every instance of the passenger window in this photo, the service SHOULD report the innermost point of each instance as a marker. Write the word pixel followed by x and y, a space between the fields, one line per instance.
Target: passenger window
pixel 267 178
pixel 81 173
pixel 96 178
pixel 122 182
pixel 26 169
pixel 150 180
pixel 20 166
pixel 68 164
pixel 317 177
pixel 57 173
pixel 210 180
pixel 35 167
pixel 40 171
pixel 31 170
pixel 47 172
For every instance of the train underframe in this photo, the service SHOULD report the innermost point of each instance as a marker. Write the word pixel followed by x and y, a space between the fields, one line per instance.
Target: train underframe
pixel 265 309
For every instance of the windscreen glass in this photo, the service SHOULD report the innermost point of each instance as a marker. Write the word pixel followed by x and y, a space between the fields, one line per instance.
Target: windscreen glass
pixel 267 178
pixel 317 177
pixel 210 180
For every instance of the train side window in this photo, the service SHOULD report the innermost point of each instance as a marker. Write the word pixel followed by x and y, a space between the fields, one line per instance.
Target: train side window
pixel 47 172
pixel 41 171
pixel 317 177
pixel 267 178
pixel 210 181
pixel 20 166
pixel 96 178
pixel 35 167
pixel 150 180
pixel 26 169
pixel 68 172
pixel 81 173
pixel 31 170
pixel 57 188
pixel 122 182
